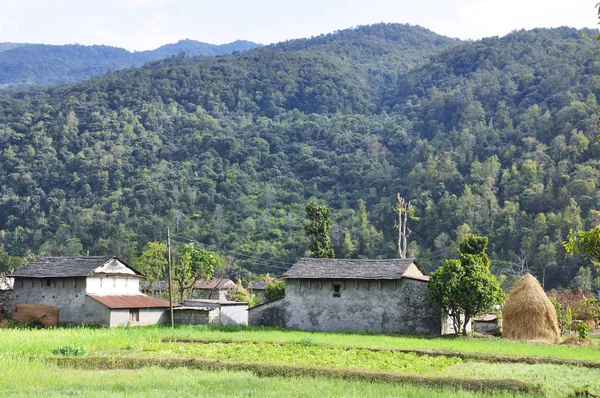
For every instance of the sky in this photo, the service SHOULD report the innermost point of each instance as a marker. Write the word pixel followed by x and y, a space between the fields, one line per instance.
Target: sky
pixel 147 24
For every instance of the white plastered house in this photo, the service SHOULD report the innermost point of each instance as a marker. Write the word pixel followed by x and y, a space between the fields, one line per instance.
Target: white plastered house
pixel 88 290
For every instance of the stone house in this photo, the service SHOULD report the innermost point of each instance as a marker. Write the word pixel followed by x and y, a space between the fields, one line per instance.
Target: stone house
pixel 88 290
pixel 384 296
pixel 216 289
pixel 258 288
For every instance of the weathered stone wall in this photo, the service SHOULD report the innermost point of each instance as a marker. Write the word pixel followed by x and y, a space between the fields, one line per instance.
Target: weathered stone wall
pixel 66 293
pixel 268 314
pixel 191 317
pixel 371 306
pixel 5 303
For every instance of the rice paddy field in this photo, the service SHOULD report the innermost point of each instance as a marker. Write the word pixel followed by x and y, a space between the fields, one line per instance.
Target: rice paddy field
pixel 244 362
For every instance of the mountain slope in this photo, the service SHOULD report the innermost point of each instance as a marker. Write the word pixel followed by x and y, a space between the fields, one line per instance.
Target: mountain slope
pixel 49 64
pixel 496 137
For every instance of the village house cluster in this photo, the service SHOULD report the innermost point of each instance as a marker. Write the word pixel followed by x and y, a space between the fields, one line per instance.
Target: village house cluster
pixel 320 294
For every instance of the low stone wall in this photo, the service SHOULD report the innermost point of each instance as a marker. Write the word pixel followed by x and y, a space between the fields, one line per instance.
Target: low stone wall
pixel 6 303
pixel 191 316
pixel 268 314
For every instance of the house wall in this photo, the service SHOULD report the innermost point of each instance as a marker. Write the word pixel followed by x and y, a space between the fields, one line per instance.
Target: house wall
pixel 268 314
pixel 66 293
pixel 234 314
pixel 486 327
pixel 148 316
pixel 112 285
pixel 95 313
pixel 362 306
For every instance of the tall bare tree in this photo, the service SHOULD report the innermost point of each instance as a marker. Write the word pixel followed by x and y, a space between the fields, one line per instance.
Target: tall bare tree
pixel 405 212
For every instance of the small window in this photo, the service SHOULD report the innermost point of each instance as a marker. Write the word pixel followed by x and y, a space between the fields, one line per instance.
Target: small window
pixel 134 315
pixel 337 290
pixel 47 282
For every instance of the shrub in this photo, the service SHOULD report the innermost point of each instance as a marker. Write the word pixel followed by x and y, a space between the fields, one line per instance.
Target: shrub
pixel 275 291
pixel 583 330
pixel 69 351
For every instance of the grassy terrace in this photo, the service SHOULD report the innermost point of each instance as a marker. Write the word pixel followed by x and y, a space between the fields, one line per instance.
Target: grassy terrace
pixel 24 369
pixel 41 342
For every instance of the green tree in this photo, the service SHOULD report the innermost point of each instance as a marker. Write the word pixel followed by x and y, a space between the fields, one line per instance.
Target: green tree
pixel 194 265
pixel 464 288
pixel 275 290
pixel 317 229
pixel 583 280
pixel 9 263
pixel 152 263
pixel 586 243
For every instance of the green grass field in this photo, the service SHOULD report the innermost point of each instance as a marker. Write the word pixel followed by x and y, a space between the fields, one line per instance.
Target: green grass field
pixel 24 370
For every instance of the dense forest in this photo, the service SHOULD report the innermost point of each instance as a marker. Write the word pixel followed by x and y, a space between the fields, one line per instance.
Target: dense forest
pixel 25 64
pixel 497 137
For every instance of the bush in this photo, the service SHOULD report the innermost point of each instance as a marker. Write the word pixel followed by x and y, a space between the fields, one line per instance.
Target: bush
pixel 275 291
pixel 69 351
pixel 583 306
pixel 583 330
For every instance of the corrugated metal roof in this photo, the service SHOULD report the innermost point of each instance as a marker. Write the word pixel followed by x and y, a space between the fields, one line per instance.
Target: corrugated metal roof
pixel 338 268
pixel 63 267
pixel 129 301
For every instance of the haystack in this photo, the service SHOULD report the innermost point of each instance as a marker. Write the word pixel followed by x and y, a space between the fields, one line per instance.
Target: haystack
pixel 528 315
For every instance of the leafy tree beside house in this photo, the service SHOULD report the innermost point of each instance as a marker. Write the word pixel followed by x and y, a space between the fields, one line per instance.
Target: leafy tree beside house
pixel 194 265
pixel 318 229
pixel 465 287
pixel 275 290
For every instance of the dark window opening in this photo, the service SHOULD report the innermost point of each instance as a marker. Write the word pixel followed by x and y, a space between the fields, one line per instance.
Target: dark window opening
pixel 134 315
pixel 47 282
pixel 337 290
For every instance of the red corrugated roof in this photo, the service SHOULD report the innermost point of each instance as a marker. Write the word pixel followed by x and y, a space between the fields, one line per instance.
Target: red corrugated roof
pixel 130 301
pixel 423 278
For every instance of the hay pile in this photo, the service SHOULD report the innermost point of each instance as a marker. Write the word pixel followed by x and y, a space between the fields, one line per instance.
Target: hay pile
pixel 528 314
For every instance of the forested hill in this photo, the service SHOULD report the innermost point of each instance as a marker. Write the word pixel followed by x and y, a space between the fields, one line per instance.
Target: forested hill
pixel 496 137
pixel 24 64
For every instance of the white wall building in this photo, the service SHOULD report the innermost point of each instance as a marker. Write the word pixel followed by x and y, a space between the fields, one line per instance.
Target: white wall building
pixel 88 290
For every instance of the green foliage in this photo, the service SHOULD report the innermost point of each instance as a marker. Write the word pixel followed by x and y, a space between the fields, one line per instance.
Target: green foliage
pixel 245 297
pixel 275 290
pixel 583 331
pixel 51 64
pixel 8 262
pixel 69 351
pixel 586 243
pixel 318 229
pixel 464 288
pixel 312 355
pixel 152 263
pixel 485 137
pixel 583 280
pixel 192 266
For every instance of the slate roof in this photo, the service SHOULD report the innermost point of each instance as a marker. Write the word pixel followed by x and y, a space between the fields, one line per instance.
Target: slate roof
pixel 216 284
pixel 130 301
pixel 261 285
pixel 62 267
pixel 337 268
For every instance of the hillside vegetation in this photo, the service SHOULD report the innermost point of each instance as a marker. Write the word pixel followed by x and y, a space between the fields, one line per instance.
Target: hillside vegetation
pixel 26 64
pixel 495 137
